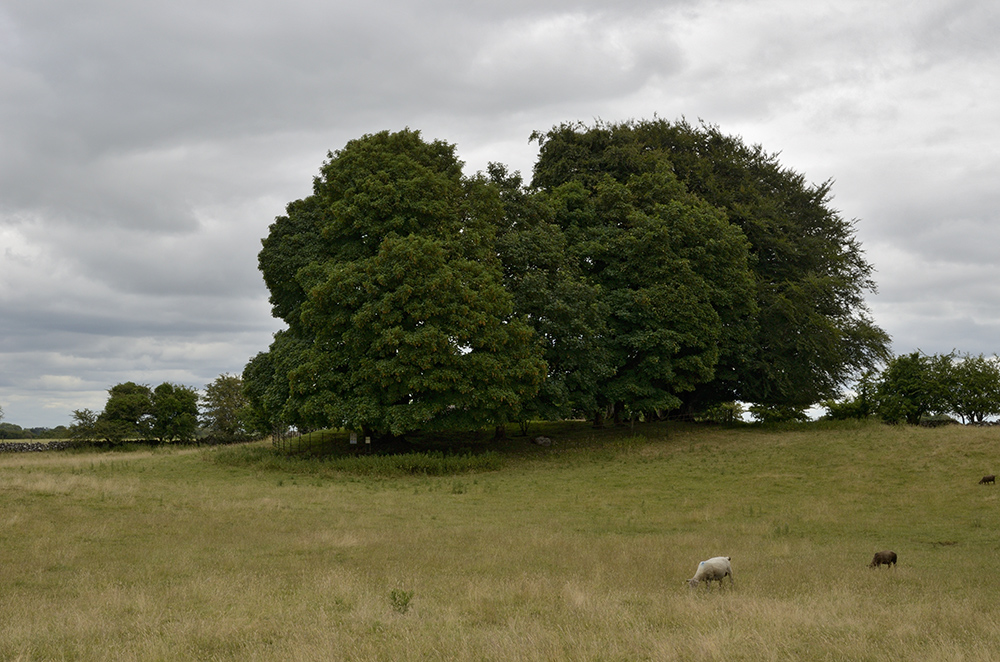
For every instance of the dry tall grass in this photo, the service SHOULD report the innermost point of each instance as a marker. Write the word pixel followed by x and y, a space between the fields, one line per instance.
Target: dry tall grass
pixel 580 553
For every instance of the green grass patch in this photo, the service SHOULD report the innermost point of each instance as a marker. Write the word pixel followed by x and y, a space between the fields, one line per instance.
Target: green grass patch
pixel 575 551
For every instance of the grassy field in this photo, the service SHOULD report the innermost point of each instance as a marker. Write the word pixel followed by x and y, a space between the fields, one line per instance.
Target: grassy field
pixel 576 552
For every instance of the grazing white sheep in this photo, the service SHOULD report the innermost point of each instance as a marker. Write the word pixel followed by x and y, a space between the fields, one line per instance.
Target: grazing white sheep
pixel 716 569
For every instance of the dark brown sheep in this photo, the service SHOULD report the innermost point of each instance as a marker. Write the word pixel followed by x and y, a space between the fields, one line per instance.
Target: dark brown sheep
pixel 987 479
pixel 883 558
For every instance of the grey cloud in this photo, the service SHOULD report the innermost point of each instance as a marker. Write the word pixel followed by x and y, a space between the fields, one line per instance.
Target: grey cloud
pixel 145 148
pixel 963 29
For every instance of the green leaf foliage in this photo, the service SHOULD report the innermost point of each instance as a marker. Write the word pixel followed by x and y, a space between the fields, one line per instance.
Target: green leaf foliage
pixel 911 386
pixel 175 413
pixel 267 388
pixel 862 404
pixel 136 412
pixel 294 242
pixel 128 413
pixel 673 273
pixel 971 386
pixel 809 330
pixel 649 268
pixel 403 322
pixel 554 297
pixel 11 431
pixel 226 408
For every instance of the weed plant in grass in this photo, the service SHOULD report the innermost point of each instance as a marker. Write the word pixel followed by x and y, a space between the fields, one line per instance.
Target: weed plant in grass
pixel 580 551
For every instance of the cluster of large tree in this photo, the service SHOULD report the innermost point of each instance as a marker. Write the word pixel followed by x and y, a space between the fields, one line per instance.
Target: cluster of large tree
pixel 135 411
pixel 913 386
pixel 168 413
pixel 649 267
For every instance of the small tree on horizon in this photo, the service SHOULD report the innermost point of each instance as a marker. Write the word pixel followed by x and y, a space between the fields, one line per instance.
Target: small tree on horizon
pixel 972 387
pixel 84 425
pixel 225 407
pixel 175 413
pixel 127 414
pixel 911 386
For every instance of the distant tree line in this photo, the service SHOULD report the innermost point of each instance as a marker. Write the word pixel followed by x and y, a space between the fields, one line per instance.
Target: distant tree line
pixel 12 431
pixel 914 386
pixel 167 413
pixel 649 269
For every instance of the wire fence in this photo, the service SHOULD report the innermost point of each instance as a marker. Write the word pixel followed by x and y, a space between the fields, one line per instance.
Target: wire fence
pixel 288 443
pixel 295 443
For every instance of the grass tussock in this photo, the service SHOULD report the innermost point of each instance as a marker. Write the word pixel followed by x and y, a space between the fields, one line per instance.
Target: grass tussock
pixel 579 551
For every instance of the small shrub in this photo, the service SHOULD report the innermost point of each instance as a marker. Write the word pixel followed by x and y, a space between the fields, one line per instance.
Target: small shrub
pixel 400 599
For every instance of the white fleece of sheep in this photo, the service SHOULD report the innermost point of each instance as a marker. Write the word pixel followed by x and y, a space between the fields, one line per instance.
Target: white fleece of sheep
pixel 714 569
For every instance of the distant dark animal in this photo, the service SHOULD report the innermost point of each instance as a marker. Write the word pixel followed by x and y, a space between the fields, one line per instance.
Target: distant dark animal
pixel 883 558
pixel 987 479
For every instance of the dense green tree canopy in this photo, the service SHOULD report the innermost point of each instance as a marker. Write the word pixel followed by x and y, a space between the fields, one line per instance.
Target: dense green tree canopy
pixel 972 387
pixel 649 267
pixel 398 318
pixel 810 331
pixel 11 431
pixel 128 413
pixel 225 408
pixel 267 388
pixel 655 280
pixel 916 385
pixel 911 386
pixel 136 412
pixel 175 413
pixel 552 295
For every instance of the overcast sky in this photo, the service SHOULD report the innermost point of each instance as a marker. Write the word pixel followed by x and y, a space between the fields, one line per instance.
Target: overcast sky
pixel 145 147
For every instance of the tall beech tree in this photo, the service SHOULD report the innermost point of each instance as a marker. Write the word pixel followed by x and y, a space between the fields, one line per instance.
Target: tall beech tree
pixel 552 295
pixel 389 281
pixel 810 331
pixel 654 281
